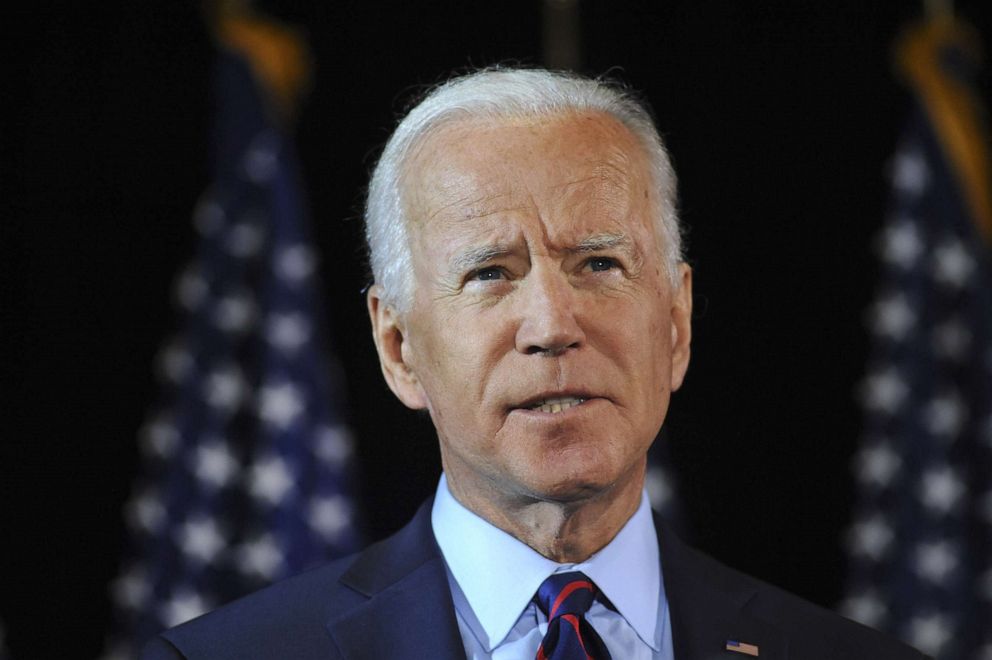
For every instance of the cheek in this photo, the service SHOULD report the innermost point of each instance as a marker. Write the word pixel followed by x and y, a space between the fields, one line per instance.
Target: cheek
pixel 638 325
pixel 643 343
pixel 458 360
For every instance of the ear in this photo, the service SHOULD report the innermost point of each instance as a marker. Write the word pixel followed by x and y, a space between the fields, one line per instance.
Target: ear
pixel 681 314
pixel 388 333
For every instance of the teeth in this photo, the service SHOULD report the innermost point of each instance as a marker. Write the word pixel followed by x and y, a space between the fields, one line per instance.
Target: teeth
pixel 556 405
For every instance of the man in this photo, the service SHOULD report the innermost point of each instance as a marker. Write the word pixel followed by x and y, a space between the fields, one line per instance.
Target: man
pixel 531 296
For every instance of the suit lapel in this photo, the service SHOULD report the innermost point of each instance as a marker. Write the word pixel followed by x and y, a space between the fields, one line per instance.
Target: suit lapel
pixel 409 612
pixel 708 606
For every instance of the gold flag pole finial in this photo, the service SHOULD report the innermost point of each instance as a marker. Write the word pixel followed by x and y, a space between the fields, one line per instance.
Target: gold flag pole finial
pixel 277 53
pixel 951 105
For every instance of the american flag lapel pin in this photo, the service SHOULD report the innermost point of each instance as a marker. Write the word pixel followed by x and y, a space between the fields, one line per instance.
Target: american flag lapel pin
pixel 741 647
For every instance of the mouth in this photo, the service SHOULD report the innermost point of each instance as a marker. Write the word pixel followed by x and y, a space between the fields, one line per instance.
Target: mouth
pixel 556 404
pixel 552 402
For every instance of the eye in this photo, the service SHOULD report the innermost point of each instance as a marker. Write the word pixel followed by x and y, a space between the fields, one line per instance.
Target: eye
pixel 488 274
pixel 600 264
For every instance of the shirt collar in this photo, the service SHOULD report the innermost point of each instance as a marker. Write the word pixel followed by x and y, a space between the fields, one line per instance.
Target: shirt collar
pixel 499 574
pixel 633 552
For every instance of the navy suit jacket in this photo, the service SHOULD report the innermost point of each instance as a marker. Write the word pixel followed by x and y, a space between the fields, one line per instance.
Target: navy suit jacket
pixel 393 601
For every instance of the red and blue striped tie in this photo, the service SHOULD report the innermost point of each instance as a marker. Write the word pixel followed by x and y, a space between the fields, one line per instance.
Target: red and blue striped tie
pixel 565 598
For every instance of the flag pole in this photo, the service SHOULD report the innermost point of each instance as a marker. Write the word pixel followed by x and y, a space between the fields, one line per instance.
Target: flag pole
pixel 562 35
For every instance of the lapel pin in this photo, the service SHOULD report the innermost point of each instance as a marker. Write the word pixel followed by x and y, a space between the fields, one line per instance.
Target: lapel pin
pixel 740 647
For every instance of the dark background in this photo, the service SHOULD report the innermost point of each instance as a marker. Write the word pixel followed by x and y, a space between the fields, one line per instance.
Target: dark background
pixel 780 117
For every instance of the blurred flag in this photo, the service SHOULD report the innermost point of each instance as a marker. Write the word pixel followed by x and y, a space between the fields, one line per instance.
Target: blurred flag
pixel 661 483
pixel 245 465
pixel 921 541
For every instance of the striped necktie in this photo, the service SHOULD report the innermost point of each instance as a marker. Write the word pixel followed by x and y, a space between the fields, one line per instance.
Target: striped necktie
pixel 565 598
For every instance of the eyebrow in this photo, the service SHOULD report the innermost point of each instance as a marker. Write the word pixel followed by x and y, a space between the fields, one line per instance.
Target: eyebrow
pixel 603 242
pixel 475 257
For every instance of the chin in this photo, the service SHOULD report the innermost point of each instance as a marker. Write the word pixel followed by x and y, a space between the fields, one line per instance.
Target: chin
pixel 587 472
pixel 562 483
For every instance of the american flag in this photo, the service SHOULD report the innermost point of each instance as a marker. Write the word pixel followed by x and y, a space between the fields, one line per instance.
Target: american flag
pixel 921 540
pixel 245 465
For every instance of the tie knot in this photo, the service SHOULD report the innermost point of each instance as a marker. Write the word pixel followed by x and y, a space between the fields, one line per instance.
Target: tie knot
pixel 566 593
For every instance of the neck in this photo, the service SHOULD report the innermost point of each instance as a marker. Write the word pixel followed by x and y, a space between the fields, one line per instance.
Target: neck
pixel 565 531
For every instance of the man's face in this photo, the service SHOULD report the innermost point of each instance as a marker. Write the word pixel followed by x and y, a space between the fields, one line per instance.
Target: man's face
pixel 544 337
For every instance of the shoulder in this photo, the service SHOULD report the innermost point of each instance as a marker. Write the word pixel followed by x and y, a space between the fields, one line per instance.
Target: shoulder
pixel 704 593
pixel 291 618
pixel 816 632
pixel 287 619
pixel 813 632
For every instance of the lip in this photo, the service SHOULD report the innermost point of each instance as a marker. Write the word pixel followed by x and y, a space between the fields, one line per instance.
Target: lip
pixel 527 405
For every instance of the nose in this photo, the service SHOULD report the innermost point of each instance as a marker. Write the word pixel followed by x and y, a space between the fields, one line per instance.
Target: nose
pixel 548 306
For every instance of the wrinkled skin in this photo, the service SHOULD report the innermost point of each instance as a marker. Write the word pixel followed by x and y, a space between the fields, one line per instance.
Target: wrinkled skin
pixel 538 275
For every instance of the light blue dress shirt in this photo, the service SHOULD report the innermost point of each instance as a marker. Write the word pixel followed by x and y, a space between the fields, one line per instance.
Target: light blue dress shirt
pixel 493 578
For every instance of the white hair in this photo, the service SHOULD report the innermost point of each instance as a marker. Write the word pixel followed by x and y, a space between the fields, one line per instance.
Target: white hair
pixel 494 94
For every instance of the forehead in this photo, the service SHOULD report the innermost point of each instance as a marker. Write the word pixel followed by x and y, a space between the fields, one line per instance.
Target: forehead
pixel 588 166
